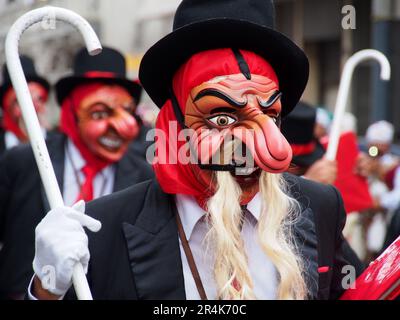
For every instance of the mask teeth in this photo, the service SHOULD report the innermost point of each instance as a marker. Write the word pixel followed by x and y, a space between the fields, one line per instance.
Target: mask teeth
pixel 243 66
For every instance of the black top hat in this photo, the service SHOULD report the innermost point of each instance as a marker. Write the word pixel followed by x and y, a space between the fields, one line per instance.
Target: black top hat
pixel 201 25
pixel 30 75
pixel 298 128
pixel 109 67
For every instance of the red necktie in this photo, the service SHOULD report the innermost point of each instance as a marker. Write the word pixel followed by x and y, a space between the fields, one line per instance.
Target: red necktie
pixel 86 192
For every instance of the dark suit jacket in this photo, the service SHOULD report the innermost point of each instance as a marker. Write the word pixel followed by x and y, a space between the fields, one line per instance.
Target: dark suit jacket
pixel 393 230
pixel 136 254
pixel 140 145
pixel 23 204
pixel 2 141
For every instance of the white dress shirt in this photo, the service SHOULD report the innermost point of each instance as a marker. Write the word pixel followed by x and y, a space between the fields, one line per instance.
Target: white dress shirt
pixel 262 271
pixel 10 140
pixel 103 183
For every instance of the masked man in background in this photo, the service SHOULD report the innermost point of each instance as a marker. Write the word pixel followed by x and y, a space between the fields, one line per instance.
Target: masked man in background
pixel 91 158
pixel 12 131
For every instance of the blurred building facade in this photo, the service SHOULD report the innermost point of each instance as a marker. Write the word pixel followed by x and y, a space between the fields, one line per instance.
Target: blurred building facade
pixel 316 25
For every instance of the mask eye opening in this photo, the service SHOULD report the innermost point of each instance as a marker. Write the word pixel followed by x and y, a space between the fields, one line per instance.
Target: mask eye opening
pixel 222 120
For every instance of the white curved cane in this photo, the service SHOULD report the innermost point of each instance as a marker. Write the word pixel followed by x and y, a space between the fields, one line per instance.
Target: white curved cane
pixel 344 89
pixel 29 114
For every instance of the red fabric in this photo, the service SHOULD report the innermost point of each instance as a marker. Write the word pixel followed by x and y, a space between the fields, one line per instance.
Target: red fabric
pixel 69 126
pixel 236 285
pixel 86 192
pixel 381 279
pixel 99 74
pixel 353 187
pixel 8 123
pixel 394 294
pixel 323 269
pixel 302 149
pixel 177 178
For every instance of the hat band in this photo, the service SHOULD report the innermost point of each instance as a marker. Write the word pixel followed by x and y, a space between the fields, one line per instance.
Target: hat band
pixel 99 74
pixel 303 149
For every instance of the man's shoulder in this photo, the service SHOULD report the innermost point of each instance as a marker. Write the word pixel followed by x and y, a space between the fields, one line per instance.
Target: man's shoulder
pixel 309 192
pixel 135 160
pixel 18 161
pixel 325 203
pixel 18 152
pixel 24 152
pixel 124 205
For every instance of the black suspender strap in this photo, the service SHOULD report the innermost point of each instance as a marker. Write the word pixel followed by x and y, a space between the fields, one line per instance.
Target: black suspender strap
pixel 189 257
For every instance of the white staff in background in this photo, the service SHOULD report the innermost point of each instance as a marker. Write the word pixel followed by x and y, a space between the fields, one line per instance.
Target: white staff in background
pixel 30 117
pixel 344 89
pixel 353 230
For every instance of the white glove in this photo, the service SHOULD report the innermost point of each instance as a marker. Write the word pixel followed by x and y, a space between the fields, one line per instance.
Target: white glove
pixel 60 243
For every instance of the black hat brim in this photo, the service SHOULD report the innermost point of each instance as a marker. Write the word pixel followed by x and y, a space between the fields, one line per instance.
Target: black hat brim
pixel 65 86
pixel 162 60
pixel 309 159
pixel 7 85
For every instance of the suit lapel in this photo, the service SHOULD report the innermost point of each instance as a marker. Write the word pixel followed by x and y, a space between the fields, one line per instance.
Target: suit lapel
pixel 305 232
pixel 153 249
pixel 306 238
pixel 56 147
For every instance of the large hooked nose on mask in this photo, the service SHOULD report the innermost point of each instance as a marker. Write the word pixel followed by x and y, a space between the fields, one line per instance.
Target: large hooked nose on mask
pixel 236 123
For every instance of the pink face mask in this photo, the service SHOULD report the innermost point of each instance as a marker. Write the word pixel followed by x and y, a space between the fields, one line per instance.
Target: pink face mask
pixel 220 101
pixel 106 122
pixel 13 120
pixel 248 110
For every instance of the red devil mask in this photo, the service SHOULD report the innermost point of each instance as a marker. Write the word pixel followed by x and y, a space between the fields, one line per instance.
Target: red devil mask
pixel 222 93
pixel 12 115
pixel 100 120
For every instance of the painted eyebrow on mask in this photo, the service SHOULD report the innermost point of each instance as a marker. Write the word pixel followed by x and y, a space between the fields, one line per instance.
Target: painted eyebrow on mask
pixel 128 105
pixel 275 96
pixel 223 110
pixel 220 95
pixel 100 104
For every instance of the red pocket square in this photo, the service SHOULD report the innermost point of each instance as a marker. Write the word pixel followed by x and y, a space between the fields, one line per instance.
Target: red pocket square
pixel 323 269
